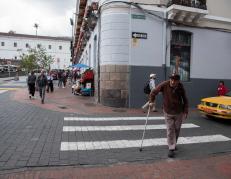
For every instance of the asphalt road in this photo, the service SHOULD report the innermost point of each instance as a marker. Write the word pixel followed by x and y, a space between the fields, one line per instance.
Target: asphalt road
pixel 32 137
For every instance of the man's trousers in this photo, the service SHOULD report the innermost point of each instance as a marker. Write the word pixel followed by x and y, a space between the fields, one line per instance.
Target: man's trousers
pixel 173 124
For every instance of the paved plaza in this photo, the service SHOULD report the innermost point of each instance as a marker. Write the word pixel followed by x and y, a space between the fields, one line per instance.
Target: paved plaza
pixel 73 137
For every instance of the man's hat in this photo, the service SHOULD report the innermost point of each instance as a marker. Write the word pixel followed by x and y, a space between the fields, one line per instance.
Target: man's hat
pixel 174 76
pixel 152 75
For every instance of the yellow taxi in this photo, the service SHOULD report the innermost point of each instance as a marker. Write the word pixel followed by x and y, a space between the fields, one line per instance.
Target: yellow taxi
pixel 219 106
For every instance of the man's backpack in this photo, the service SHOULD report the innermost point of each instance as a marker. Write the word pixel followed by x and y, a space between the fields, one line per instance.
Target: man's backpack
pixel 147 88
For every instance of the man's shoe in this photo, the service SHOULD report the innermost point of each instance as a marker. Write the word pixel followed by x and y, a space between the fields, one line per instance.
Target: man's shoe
pixel 154 110
pixel 30 96
pixel 171 154
pixel 42 101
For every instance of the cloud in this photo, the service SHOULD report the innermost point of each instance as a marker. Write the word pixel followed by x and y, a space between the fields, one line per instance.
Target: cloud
pixel 53 16
pixel 56 6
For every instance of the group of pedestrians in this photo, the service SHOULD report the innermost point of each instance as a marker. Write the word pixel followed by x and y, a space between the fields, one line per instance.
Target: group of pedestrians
pixel 42 83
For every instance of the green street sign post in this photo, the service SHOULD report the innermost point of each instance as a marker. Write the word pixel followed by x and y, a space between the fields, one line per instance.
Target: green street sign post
pixel 138 16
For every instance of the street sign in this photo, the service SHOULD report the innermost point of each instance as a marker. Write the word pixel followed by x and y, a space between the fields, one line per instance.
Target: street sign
pixel 138 16
pixel 139 35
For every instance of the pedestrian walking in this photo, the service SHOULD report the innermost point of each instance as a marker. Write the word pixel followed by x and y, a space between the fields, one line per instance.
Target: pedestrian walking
pixel 31 80
pixel 175 108
pixel 64 78
pixel 60 79
pixel 42 83
pixel 150 85
pixel 50 85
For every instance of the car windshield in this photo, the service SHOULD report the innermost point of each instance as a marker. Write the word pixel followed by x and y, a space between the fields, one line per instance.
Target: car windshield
pixel 228 94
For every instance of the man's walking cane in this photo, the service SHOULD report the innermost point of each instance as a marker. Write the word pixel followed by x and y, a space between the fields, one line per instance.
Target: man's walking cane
pixel 145 128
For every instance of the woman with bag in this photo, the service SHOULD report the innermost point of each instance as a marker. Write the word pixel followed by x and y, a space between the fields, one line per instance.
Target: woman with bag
pixel 151 85
pixel 50 85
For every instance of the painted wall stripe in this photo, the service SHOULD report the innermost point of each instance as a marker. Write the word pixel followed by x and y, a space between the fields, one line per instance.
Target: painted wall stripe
pixel 120 128
pixel 110 118
pixel 119 144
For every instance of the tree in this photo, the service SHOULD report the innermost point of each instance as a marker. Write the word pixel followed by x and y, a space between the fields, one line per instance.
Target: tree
pixel 28 62
pixel 36 58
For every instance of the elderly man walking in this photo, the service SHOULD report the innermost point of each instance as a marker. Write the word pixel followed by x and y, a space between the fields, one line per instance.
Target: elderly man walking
pixel 175 107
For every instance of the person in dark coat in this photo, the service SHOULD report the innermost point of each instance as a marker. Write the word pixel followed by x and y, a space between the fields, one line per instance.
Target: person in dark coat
pixel 31 84
pixel 42 83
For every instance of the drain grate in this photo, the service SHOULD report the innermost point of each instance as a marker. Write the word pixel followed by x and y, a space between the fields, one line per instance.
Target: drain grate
pixel 62 107
pixel 119 110
pixel 90 104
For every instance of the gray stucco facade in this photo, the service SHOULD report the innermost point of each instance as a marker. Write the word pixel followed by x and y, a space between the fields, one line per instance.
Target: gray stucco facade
pixel 196 88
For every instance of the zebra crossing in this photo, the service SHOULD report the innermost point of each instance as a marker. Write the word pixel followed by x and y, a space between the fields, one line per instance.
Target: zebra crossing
pixel 3 91
pixel 94 124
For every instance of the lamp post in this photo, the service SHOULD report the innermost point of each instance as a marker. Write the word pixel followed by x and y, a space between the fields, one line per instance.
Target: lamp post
pixel 72 38
pixel 36 27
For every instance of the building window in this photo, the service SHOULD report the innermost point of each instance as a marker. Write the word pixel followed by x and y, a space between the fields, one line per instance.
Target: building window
pixel 27 45
pixel 180 54
pixel 60 47
pixel 15 44
pixel 2 43
pixel 49 46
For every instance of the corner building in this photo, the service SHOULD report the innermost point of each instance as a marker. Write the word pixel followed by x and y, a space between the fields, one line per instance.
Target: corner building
pixel 125 41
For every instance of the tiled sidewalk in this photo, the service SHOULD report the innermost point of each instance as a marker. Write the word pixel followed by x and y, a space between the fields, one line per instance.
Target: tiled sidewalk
pixel 209 168
pixel 63 100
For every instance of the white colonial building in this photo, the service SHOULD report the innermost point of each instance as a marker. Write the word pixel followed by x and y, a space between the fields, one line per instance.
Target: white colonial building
pixel 13 45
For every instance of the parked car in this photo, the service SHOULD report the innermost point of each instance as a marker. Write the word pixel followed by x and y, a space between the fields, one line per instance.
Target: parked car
pixel 219 106
pixel 1 68
pixel 11 68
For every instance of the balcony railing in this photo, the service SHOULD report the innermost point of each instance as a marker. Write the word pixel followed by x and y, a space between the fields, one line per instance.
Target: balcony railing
pixel 200 4
pixel 187 11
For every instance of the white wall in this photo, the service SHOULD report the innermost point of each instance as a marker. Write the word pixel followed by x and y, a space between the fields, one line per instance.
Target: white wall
pixel 147 52
pixel 114 48
pixel 210 54
pixel 9 51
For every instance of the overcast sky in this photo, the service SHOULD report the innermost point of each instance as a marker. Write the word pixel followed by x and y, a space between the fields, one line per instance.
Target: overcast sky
pixel 52 16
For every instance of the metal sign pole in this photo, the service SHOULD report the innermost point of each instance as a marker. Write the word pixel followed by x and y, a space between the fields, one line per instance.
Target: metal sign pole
pixel 9 69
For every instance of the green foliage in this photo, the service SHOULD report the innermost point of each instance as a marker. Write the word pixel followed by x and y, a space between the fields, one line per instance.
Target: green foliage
pixel 28 62
pixel 36 58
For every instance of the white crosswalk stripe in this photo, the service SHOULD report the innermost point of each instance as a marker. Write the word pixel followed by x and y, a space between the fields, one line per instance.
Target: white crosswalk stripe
pixel 120 144
pixel 119 128
pixel 3 91
pixel 96 145
pixel 110 118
